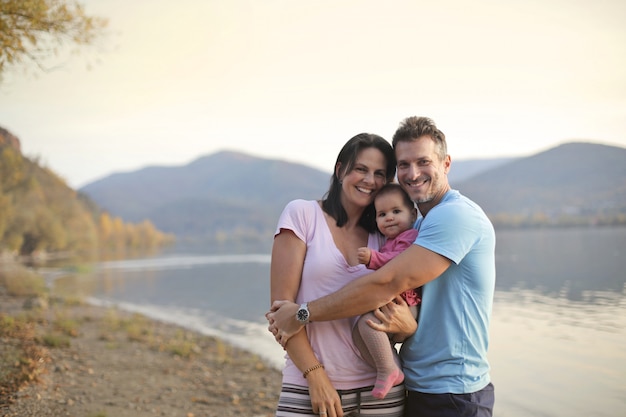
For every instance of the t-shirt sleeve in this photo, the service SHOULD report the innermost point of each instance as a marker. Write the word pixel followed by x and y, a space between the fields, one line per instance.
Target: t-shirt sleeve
pixel 297 217
pixel 448 231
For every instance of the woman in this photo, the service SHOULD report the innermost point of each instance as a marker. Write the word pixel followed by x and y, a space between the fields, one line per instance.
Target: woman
pixel 314 254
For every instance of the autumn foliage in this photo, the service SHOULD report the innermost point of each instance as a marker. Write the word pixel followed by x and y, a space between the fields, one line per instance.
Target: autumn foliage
pixel 35 30
pixel 39 213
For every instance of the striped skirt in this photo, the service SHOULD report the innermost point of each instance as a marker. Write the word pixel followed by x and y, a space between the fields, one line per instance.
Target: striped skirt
pixel 294 401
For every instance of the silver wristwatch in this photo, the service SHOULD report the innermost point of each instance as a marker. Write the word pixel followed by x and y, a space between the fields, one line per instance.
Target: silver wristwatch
pixel 303 314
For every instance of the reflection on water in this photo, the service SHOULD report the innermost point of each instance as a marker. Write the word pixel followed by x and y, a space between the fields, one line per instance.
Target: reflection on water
pixel 557 357
pixel 558 331
pixel 236 286
pixel 562 262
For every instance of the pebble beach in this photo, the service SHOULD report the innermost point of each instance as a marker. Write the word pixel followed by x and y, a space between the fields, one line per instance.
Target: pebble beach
pixel 118 364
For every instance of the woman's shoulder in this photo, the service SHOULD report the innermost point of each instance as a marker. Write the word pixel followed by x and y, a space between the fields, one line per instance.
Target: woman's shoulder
pixel 304 210
pixel 302 217
pixel 301 205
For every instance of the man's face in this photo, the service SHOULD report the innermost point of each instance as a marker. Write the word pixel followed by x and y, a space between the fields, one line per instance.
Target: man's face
pixel 421 173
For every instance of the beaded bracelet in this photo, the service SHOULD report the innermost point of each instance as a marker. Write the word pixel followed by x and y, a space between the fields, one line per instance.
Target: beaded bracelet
pixel 312 368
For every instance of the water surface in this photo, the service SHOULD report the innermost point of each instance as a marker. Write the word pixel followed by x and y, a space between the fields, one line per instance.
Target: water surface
pixel 558 331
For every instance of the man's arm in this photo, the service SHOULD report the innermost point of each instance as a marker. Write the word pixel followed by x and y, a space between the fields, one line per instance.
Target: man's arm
pixel 411 269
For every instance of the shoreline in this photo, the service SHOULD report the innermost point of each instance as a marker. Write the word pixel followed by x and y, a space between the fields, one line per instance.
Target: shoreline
pixel 122 364
pixel 250 337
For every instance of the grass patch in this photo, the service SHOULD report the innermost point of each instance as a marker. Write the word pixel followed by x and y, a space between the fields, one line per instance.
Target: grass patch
pixel 183 348
pixel 111 321
pixel 178 348
pixel 68 327
pixel 223 351
pixel 137 328
pixel 112 345
pixel 63 329
pixel 20 281
pixel 184 344
pixel 140 329
pixel 70 301
pixel 55 340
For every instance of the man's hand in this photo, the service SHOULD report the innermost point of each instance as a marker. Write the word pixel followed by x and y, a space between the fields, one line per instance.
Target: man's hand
pixel 395 317
pixel 364 255
pixel 282 321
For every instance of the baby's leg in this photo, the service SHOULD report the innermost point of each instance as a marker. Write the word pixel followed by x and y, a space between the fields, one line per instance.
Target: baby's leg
pixel 377 351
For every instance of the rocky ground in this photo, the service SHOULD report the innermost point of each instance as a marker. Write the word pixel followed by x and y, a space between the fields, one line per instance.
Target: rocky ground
pixel 123 365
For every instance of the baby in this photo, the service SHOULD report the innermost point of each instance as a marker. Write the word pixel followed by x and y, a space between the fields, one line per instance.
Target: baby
pixel 395 216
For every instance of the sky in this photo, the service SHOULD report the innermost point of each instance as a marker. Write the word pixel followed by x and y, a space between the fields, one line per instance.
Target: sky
pixel 294 80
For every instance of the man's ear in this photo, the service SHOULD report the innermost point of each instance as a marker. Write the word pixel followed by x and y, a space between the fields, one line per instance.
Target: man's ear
pixel 447 162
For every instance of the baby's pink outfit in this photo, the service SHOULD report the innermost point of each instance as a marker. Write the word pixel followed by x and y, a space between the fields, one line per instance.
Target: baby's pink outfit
pixel 375 344
pixel 390 250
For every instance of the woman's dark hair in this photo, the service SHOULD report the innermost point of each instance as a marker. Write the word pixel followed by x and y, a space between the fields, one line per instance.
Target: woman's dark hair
pixel 331 203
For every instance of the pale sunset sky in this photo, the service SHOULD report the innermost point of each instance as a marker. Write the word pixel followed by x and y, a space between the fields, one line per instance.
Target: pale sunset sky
pixel 294 80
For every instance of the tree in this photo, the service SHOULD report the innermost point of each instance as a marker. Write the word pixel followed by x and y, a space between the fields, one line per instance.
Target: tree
pixel 38 29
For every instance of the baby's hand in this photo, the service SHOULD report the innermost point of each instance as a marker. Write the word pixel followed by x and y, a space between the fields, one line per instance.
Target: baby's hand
pixel 364 255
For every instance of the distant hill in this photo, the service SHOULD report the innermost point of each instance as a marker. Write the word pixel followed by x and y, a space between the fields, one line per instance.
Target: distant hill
pixel 214 197
pixel 570 180
pixel 230 194
pixel 465 169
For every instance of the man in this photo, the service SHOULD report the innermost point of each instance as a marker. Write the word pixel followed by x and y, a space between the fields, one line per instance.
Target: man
pixel 453 258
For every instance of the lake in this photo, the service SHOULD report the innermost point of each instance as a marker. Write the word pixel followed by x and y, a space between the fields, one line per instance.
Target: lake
pixel 558 332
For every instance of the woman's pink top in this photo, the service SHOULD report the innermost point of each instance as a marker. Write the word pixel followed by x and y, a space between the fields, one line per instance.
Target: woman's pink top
pixel 326 271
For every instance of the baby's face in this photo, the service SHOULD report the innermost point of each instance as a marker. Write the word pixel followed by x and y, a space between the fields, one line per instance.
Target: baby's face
pixel 392 215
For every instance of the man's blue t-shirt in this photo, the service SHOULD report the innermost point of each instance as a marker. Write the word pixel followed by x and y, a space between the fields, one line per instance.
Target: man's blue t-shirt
pixel 448 353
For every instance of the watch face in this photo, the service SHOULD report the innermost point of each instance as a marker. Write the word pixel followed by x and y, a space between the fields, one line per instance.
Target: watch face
pixel 303 315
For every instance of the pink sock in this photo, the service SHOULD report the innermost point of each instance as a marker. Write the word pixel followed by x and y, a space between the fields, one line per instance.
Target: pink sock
pixel 382 386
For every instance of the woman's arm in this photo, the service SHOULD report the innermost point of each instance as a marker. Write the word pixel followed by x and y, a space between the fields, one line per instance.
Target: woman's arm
pixel 288 255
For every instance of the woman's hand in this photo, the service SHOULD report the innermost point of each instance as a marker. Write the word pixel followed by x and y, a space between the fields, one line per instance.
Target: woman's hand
pixel 396 318
pixel 324 396
pixel 282 321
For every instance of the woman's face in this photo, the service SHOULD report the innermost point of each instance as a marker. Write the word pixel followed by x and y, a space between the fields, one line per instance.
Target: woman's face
pixel 360 185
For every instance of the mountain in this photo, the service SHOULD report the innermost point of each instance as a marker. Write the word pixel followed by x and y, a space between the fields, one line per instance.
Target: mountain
pixel 464 169
pixel 231 195
pixel 573 179
pixel 214 197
